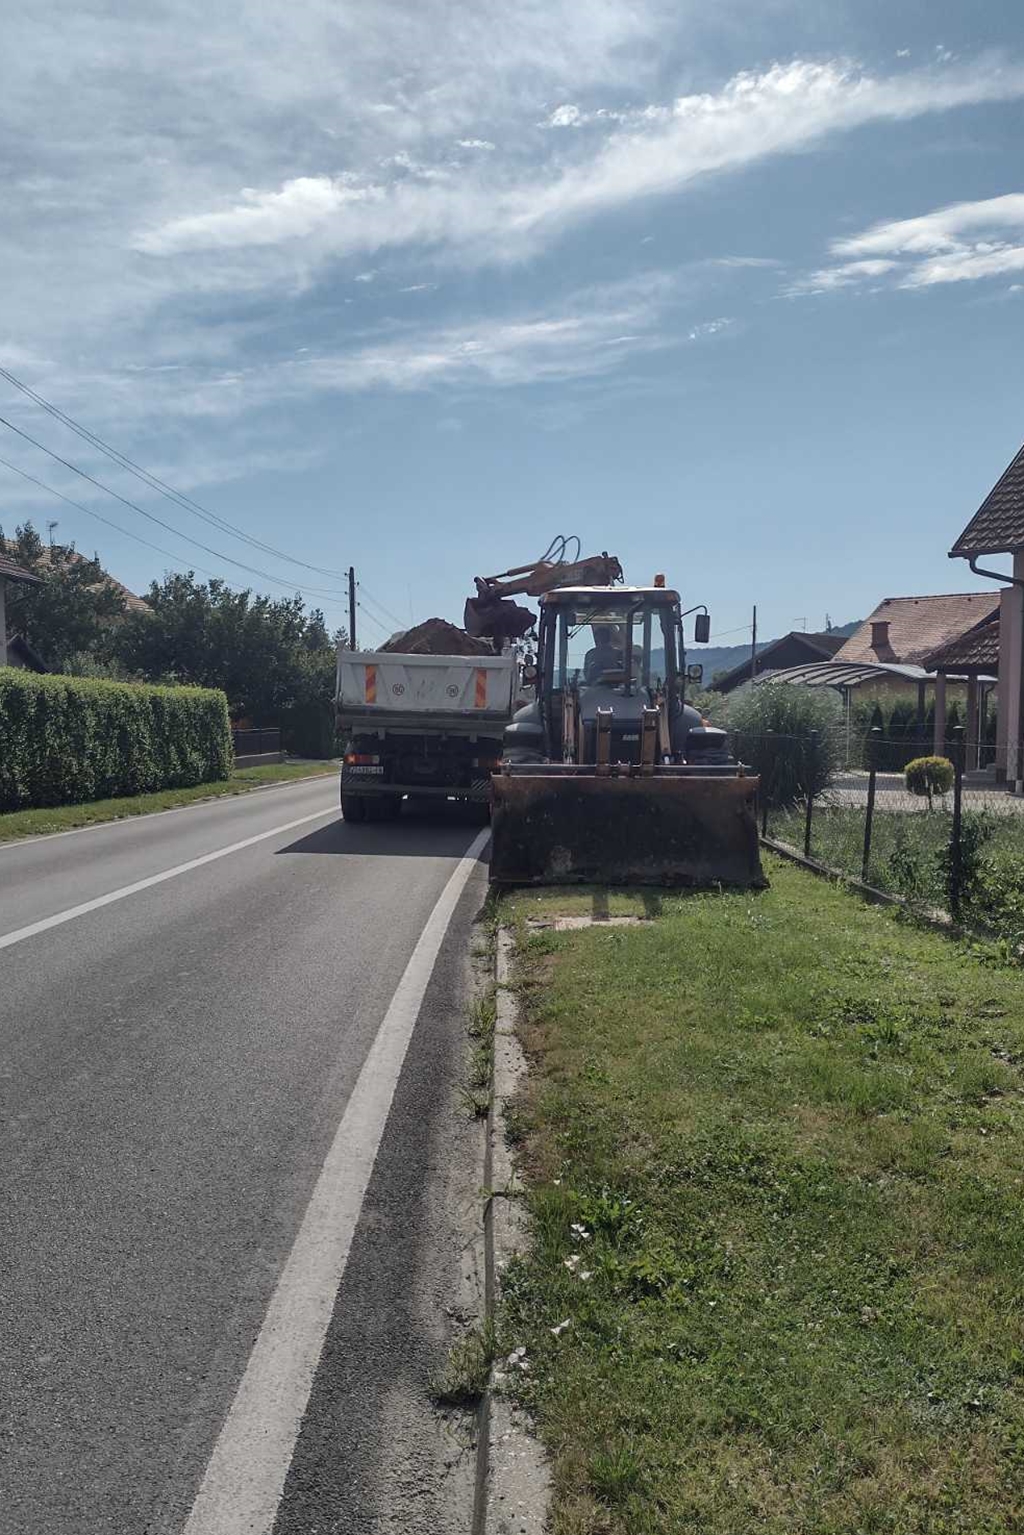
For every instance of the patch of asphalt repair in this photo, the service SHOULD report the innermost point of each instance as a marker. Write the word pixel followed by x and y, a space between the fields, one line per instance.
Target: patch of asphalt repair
pixel 514 1475
pixel 373 1453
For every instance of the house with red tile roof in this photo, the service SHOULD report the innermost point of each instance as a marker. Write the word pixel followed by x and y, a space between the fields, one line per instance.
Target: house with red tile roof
pixel 906 630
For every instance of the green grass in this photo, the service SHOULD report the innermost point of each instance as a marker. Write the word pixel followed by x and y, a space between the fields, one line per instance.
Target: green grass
pixel 464 1376
pixel 31 823
pixel 909 855
pixel 783 1135
pixel 480 1069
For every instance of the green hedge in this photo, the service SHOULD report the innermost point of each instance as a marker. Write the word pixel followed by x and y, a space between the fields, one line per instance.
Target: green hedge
pixel 64 740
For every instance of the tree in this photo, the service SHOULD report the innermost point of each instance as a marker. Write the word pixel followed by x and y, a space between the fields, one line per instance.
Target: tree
pixel 268 655
pixel 72 613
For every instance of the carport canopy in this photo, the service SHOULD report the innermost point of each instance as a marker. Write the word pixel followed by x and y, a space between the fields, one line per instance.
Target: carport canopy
pixel 844 674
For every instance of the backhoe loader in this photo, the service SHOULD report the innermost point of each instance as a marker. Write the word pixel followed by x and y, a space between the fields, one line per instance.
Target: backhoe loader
pixel 608 775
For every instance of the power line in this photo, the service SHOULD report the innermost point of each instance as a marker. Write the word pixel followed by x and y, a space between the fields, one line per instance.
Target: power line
pixel 381 608
pixel 90 513
pixel 721 634
pixel 154 481
pixel 152 517
pixel 107 521
pixel 373 620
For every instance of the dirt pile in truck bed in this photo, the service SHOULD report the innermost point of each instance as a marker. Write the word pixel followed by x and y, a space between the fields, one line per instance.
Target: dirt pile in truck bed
pixel 437 637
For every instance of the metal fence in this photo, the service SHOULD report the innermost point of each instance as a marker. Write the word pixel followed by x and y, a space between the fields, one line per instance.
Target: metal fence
pixel 256 743
pixel 957 852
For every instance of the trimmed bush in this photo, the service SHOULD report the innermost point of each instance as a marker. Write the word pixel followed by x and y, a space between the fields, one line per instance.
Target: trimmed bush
pixel 929 775
pixel 64 740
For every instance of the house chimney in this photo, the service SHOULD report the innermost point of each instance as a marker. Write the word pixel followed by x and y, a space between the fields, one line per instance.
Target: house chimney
pixel 880 634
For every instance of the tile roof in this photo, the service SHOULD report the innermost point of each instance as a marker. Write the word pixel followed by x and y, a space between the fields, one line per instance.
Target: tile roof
pixel 919 625
pixel 998 525
pixel 14 572
pixel 977 650
pixel 132 603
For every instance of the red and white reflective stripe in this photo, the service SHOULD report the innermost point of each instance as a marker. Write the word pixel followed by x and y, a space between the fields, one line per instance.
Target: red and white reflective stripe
pixel 371 685
pixel 480 700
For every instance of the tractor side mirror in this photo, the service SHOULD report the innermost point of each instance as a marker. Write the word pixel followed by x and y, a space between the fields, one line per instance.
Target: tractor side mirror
pixel 695 673
pixel 702 628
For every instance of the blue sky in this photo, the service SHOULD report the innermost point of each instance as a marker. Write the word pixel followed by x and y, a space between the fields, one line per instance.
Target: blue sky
pixel 733 291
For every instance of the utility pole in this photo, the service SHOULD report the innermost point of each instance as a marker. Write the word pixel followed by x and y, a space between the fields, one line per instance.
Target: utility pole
pixel 753 646
pixel 351 607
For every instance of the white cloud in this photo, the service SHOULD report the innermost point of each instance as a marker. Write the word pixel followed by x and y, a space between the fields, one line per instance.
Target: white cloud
pixel 740 262
pixel 294 212
pixel 117 121
pixel 709 328
pixel 963 242
pixel 845 276
pixel 938 231
pixel 567 116
pixel 365 277
pixel 590 334
pixel 507 215
pixel 205 181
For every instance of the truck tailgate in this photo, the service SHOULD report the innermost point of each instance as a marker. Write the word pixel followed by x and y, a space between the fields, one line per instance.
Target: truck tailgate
pixel 459 688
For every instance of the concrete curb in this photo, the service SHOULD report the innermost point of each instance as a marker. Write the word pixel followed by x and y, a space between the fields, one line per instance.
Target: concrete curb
pixel 513 1472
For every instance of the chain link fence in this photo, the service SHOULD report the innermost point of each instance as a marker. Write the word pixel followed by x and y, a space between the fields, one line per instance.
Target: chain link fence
pixel 957 851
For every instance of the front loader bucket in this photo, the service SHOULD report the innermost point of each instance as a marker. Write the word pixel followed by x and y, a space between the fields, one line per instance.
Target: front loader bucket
pixel 555 828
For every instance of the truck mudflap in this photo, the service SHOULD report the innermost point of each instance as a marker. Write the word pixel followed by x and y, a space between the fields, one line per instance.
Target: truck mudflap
pixel 672 827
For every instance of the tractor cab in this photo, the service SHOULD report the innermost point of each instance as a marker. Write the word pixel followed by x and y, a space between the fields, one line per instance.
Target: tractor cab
pixel 623 639
pixel 610 659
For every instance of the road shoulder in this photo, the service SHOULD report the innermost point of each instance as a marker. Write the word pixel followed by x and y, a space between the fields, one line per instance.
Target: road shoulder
pixel 374 1451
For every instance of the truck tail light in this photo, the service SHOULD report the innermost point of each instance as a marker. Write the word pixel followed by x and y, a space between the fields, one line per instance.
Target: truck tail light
pixel 489 764
pixel 359 759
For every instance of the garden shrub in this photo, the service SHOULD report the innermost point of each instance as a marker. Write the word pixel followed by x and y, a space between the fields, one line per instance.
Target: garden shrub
pixel 64 740
pixel 771 727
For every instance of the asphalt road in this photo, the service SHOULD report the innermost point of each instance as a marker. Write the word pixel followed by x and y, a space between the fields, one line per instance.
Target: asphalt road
pixel 175 1064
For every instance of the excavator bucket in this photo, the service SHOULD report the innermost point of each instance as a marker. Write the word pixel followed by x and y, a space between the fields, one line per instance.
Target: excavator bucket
pixel 566 825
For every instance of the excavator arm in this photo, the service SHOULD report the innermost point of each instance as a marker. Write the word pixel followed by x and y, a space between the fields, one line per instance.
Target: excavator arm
pixel 492 615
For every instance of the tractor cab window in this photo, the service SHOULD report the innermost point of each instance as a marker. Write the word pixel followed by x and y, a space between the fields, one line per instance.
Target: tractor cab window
pixel 592 643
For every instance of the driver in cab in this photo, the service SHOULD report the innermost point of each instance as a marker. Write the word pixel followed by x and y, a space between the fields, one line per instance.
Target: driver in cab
pixel 606 656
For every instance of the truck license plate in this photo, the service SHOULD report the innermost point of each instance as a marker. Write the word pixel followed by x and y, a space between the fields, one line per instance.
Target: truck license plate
pixel 364 770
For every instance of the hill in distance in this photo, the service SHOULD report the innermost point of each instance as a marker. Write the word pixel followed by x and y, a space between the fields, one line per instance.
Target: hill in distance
pixel 722 658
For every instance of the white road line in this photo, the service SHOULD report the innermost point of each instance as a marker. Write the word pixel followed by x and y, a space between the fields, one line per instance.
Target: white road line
pixel 59 918
pixel 241 1489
